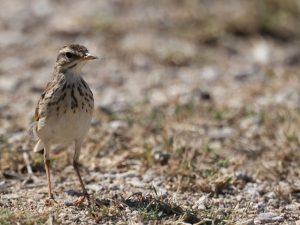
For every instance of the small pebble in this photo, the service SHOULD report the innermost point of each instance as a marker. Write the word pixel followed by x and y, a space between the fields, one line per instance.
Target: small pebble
pixel 269 217
pixel 202 203
pixel 68 203
pixel 118 124
pixel 73 193
pixel 161 157
pixel 260 207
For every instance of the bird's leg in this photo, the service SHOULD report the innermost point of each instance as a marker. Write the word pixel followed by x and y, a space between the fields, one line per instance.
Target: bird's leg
pixel 76 167
pixel 47 167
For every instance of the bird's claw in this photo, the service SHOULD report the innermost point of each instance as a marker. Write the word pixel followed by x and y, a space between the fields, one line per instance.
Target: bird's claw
pixel 79 201
pixel 50 201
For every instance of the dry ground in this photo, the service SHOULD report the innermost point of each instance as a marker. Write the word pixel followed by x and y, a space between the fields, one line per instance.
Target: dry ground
pixel 196 111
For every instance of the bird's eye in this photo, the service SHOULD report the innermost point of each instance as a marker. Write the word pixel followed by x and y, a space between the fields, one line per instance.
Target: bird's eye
pixel 69 55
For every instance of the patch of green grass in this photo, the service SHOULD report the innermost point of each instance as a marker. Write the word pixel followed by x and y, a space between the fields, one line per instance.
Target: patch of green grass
pixel 218 115
pixel 221 163
pixel 207 173
pixel 279 18
pixel 149 207
pixel 223 114
pixel 292 137
pixel 8 217
pixel 183 111
pixel 168 142
pixel 105 214
pixel 154 207
pixel 189 165
pixel 207 148
pixel 218 162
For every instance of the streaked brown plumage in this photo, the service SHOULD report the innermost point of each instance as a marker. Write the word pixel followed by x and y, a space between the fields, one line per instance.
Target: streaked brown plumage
pixel 64 111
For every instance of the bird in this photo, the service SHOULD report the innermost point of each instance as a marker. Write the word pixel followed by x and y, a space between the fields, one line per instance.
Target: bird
pixel 64 111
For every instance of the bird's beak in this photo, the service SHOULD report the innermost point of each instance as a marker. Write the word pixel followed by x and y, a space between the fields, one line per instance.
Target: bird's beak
pixel 89 57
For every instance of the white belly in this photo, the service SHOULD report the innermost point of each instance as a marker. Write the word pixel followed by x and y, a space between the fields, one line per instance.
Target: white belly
pixel 65 128
pixel 63 123
pixel 70 127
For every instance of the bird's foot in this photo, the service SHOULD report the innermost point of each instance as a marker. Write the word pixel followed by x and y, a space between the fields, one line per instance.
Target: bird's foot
pixel 81 200
pixel 50 201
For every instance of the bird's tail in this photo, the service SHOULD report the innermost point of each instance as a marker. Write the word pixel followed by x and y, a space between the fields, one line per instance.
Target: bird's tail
pixel 38 147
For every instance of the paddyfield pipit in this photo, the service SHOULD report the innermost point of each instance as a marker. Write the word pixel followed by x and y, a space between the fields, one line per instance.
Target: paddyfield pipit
pixel 64 111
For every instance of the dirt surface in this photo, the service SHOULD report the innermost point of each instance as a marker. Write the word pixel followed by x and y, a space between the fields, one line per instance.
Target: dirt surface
pixel 196 112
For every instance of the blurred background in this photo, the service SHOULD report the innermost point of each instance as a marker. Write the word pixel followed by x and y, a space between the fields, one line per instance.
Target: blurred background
pixel 187 93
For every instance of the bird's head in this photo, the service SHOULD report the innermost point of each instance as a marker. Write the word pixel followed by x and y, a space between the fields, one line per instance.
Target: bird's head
pixel 73 57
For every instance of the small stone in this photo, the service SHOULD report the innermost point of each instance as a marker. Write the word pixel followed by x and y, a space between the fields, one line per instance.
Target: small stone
pixel 73 193
pixel 273 202
pixel 8 84
pixel 292 207
pixel 113 107
pixel 269 217
pixel 161 157
pixel 68 203
pixel 261 52
pixel 140 61
pixel 222 133
pixel 210 73
pixel 201 203
pixel 17 137
pixel 129 175
pixel 260 207
pixel 270 195
pixel 12 196
pixel 94 187
pixel 252 190
pixel 118 125
pixel 204 95
pixel 135 182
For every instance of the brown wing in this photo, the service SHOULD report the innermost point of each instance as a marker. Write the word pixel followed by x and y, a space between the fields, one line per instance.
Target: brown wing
pixel 40 108
pixel 36 113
